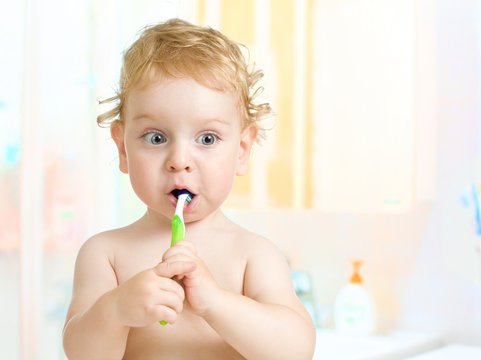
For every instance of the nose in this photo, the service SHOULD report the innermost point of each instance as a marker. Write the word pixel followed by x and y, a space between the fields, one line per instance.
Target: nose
pixel 179 159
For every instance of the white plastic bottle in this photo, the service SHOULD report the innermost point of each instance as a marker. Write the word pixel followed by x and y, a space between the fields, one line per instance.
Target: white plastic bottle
pixel 353 308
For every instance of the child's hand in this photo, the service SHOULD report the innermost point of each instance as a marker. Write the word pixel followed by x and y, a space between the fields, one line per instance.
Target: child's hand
pixel 201 289
pixel 152 295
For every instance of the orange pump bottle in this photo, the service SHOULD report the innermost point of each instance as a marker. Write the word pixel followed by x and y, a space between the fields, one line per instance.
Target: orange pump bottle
pixel 353 307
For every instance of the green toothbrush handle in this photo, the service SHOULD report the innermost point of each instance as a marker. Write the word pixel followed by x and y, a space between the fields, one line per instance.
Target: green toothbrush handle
pixel 177 230
pixel 177 235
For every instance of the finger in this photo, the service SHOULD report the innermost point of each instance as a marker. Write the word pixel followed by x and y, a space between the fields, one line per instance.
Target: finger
pixel 172 268
pixel 168 285
pixel 165 313
pixel 171 300
pixel 186 244
pixel 179 258
pixel 180 247
pixel 171 253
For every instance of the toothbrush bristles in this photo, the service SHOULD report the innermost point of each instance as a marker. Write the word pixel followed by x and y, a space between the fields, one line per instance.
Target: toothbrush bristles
pixel 189 197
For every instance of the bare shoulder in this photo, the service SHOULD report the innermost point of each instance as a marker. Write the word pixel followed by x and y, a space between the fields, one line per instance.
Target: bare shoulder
pixel 267 274
pixel 105 244
pixel 99 242
pixel 97 255
pixel 255 245
pixel 264 256
pixel 94 271
pixel 261 253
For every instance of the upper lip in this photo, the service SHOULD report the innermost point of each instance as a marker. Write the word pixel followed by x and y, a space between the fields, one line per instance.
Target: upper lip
pixel 181 187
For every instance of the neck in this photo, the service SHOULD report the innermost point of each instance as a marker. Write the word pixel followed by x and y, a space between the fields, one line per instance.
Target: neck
pixel 159 223
pixel 207 223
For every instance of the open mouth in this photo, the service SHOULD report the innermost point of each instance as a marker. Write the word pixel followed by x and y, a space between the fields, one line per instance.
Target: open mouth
pixel 177 192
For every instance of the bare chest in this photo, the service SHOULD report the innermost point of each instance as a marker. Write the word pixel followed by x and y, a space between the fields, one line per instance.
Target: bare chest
pixel 189 338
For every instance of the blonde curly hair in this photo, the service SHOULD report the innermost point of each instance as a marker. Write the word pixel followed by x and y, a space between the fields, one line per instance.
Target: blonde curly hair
pixel 177 48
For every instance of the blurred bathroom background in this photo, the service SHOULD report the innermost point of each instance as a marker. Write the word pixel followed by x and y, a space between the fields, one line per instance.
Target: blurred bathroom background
pixel 375 152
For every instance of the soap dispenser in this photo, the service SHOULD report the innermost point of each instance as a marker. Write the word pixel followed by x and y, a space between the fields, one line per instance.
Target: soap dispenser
pixel 353 307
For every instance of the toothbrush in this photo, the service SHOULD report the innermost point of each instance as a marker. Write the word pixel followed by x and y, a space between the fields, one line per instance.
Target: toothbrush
pixel 178 226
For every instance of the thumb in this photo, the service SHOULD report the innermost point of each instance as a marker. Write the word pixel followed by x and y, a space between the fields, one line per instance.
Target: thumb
pixel 171 269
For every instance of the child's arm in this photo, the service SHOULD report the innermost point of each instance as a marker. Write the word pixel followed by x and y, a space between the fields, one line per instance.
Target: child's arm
pixel 269 322
pixel 101 313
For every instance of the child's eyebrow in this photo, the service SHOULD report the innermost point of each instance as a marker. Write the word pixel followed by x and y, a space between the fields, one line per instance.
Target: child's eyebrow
pixel 146 117
pixel 142 117
pixel 217 120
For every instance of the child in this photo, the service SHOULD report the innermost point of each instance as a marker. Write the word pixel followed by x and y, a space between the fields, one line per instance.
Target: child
pixel 184 119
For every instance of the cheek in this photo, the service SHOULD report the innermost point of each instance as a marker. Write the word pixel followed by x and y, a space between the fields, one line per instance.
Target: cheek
pixel 221 172
pixel 142 175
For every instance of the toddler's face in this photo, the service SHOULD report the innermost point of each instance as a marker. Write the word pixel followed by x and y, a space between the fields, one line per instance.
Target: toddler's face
pixel 178 134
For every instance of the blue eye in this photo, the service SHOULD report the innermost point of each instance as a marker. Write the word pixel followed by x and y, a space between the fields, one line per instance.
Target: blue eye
pixel 154 138
pixel 207 139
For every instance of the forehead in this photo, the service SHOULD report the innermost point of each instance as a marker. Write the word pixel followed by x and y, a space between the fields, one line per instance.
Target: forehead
pixel 180 98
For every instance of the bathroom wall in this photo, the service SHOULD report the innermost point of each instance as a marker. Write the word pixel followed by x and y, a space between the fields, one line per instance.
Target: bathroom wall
pixel 447 272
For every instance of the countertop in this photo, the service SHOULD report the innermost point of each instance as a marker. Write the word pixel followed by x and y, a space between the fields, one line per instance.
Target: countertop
pixel 450 352
pixel 392 346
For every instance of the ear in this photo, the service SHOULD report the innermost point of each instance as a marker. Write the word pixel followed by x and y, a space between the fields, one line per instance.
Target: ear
pixel 248 137
pixel 117 132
